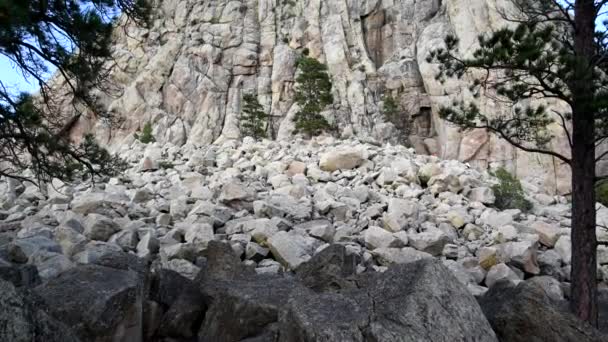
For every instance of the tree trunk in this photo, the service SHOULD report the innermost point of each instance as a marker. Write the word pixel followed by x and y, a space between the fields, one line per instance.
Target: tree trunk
pixel 584 241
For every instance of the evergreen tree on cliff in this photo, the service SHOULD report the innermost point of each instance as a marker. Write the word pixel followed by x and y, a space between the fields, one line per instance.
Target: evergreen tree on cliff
pixel 552 49
pixel 313 94
pixel 73 37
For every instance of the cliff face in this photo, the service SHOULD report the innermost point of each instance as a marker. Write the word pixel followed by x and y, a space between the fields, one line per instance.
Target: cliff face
pixel 187 73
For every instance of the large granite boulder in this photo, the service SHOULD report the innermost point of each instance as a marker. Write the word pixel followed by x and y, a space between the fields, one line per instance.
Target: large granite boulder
pixel 21 320
pixel 525 313
pixel 99 303
pixel 419 301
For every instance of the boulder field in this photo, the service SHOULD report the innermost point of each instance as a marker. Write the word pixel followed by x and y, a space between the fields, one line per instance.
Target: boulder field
pixel 322 240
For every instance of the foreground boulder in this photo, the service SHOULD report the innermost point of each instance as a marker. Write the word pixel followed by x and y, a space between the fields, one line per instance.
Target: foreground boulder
pixel 22 321
pixel 419 301
pixel 524 313
pixel 98 302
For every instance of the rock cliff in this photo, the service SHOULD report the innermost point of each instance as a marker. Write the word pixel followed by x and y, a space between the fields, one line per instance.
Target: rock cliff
pixel 186 73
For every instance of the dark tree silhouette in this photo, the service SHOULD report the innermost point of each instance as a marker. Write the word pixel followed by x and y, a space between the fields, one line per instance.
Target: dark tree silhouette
pixel 74 38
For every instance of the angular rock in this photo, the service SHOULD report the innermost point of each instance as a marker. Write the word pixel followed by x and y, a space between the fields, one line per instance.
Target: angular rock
pixel 97 302
pixel 292 249
pixel 405 255
pixel 344 159
pixel 548 234
pixel 21 320
pixel 525 313
pixel 376 237
pixel 431 241
pixel 99 227
pixel 400 214
pixel 501 272
pixel 329 270
pixel 387 307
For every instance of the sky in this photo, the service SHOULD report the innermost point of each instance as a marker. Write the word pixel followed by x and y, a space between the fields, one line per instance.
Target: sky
pixel 13 79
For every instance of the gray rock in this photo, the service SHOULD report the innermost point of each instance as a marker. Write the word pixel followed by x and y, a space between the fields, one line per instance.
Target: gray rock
pixel 291 250
pixel 112 298
pixel 484 195
pixel 525 313
pixel 184 302
pixel 400 214
pixel 563 246
pixel 255 252
pixel 95 250
pixel 405 255
pixel 501 272
pixel 389 306
pixel 243 308
pixel 20 250
pixel 431 241
pixel 21 320
pixel 521 254
pixel 321 229
pixel 343 159
pixel 331 269
pixel 376 237
pixel 184 267
pixel 547 233
pixel 99 227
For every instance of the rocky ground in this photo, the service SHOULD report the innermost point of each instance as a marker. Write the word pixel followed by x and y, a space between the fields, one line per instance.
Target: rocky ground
pixel 321 240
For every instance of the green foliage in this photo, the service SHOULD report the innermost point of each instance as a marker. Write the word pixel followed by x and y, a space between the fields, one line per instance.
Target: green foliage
pixel 146 135
pixel 535 59
pixel 254 119
pixel 313 94
pixel 509 192
pixel 165 164
pixel 390 109
pixel 601 193
pixel 73 37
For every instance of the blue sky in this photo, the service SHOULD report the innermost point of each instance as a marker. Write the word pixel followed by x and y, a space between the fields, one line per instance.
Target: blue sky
pixel 13 79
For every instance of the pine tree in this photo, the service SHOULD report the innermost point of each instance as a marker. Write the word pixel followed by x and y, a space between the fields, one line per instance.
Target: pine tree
pixel 146 135
pixel 74 38
pixel 390 109
pixel 313 94
pixel 254 119
pixel 554 50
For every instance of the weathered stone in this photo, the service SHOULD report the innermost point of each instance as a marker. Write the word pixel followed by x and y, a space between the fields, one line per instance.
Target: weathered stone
pixel 112 298
pixel 404 310
pixel 99 227
pixel 501 272
pixel 291 249
pixel 344 159
pixel 296 167
pixel 389 256
pixel 376 237
pixel 431 241
pixel 487 257
pixel 22 320
pixel 525 313
pixel 548 234
pixel 563 246
pixel 331 269
pixel 484 195
pixel 400 214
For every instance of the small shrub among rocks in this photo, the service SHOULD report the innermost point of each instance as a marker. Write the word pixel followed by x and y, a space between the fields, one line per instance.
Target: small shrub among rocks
pixel 509 192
